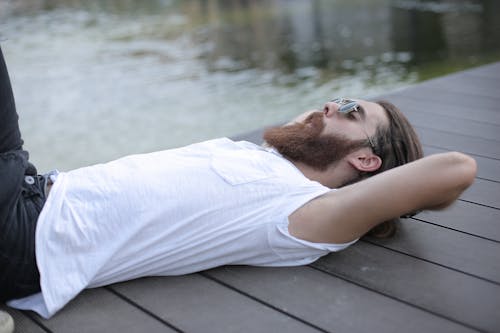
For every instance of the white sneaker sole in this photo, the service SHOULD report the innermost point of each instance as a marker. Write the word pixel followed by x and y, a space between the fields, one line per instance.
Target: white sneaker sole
pixel 6 323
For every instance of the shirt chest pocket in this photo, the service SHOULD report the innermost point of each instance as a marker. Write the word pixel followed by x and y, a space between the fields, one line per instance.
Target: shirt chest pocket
pixel 241 167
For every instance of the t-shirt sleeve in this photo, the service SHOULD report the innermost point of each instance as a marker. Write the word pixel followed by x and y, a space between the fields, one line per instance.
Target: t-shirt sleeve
pixel 291 248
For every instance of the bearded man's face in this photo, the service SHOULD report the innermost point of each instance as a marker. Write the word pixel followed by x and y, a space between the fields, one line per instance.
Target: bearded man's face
pixel 303 142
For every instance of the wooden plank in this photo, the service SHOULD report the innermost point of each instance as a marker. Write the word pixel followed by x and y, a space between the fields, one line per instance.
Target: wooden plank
pixel 487 71
pixel 440 96
pixel 194 303
pixel 453 249
pixel 491 70
pixel 463 143
pixel 452 294
pixel 449 108
pixel 470 85
pixel 455 125
pixel 448 118
pixel 98 310
pixel 467 217
pixel 332 303
pixel 22 322
pixel 483 192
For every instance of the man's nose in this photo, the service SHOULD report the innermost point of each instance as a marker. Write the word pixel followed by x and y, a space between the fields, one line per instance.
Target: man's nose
pixel 331 108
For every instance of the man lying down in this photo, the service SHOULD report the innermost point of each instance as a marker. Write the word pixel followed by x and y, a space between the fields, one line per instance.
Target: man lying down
pixel 316 186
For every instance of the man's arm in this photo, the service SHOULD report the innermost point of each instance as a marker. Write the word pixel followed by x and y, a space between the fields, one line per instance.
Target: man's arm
pixel 433 182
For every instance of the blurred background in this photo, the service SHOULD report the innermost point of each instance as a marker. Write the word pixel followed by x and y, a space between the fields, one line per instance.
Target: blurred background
pixel 98 79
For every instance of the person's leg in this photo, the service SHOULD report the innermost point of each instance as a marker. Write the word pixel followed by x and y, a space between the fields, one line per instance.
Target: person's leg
pixel 10 136
pixel 13 160
pixel 21 200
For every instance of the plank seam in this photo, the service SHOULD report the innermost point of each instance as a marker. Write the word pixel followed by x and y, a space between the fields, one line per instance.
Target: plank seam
pixel 491 141
pixel 489 180
pixel 457 230
pixel 418 99
pixel 447 77
pixel 216 280
pixel 449 150
pixel 392 297
pixel 479 204
pixel 454 116
pixel 459 91
pixel 37 321
pixel 432 262
pixel 495 124
pixel 143 309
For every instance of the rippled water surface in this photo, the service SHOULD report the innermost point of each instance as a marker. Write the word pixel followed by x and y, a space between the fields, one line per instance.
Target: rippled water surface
pixel 95 80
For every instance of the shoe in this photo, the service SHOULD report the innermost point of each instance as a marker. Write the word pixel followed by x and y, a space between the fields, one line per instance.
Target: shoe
pixel 6 322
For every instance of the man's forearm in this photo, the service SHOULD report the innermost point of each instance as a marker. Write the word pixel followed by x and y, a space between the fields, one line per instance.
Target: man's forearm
pixel 340 216
pixel 433 182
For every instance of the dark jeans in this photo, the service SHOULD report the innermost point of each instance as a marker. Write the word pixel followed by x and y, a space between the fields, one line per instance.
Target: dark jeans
pixel 21 200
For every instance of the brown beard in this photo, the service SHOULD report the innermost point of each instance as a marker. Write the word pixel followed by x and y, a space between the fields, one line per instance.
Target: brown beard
pixel 303 142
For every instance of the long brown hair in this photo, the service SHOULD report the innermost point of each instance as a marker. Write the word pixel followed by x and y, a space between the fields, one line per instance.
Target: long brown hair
pixel 396 145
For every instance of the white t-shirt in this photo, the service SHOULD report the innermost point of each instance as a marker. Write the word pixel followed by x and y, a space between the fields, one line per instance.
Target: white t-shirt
pixel 172 212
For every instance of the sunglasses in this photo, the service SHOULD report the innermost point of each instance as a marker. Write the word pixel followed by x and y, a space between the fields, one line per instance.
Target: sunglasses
pixel 347 106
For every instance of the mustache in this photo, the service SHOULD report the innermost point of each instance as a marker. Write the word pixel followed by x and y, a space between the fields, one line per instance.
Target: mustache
pixel 304 142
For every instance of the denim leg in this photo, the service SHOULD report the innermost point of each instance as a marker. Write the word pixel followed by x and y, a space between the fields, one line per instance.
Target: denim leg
pixel 20 202
pixel 19 276
pixel 13 160
pixel 10 136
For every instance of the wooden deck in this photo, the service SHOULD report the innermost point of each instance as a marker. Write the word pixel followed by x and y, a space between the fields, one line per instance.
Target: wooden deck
pixel 440 274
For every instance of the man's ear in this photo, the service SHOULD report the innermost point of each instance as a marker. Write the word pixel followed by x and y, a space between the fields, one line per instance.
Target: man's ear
pixel 364 160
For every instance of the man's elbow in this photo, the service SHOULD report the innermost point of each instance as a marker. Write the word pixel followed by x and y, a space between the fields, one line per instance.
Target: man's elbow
pixel 459 175
pixel 467 168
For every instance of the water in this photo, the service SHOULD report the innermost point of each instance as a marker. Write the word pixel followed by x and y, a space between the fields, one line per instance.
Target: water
pixel 96 80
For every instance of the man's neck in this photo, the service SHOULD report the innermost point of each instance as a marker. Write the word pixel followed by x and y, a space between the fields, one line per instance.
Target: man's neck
pixel 333 177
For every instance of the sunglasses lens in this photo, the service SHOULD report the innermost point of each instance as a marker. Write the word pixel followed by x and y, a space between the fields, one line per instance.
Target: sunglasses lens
pixel 349 107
